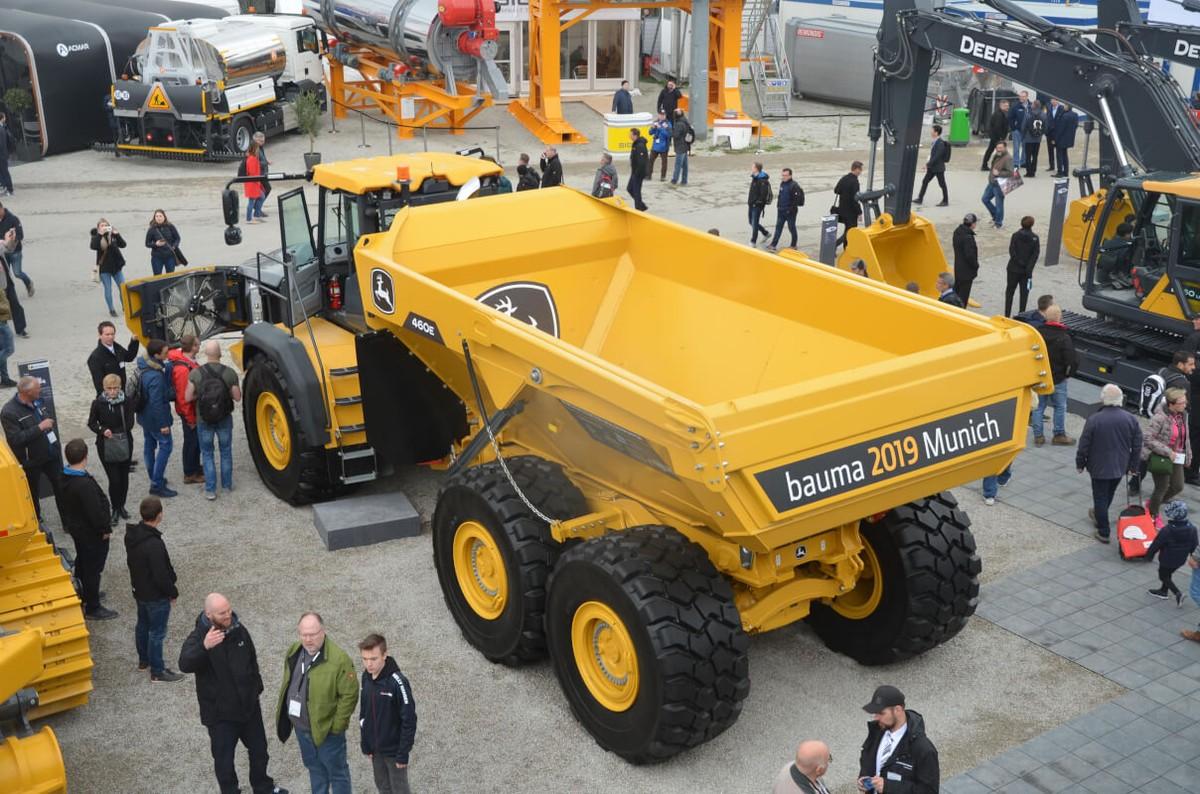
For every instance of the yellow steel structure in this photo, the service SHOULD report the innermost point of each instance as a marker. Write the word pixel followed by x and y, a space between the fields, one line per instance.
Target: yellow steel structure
pixel 43 640
pixel 36 594
pixel 713 384
pixel 436 106
pixel 542 112
pixel 1080 226
pixel 30 764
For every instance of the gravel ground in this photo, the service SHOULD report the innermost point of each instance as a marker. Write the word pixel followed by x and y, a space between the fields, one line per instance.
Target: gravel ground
pixel 483 727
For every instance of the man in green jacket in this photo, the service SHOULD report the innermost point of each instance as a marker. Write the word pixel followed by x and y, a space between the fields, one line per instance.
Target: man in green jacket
pixel 317 698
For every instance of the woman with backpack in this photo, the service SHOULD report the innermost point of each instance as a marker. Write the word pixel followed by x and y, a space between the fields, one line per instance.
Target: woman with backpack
pixel 107 242
pixel 111 419
pixel 1166 448
pixel 1033 129
pixel 255 194
pixel 162 238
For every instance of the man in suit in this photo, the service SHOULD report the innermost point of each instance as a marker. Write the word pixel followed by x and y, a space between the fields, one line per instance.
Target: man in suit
pixel 1053 111
pixel 897 756
pixel 1065 124
pixel 935 167
pixel 804 776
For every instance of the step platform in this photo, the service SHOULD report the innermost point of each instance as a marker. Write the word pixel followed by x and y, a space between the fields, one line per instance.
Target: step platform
pixel 366 519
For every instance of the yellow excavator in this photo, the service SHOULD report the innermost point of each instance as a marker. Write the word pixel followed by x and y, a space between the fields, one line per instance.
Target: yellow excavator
pixel 1134 324
pixel 45 663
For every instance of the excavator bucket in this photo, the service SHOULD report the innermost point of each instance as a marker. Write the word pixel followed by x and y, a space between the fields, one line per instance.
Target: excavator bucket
pixel 1082 217
pixel 31 763
pixel 897 254
pixel 36 594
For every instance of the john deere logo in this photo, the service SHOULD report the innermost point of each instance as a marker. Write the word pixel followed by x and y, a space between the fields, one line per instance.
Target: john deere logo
pixel 382 292
pixel 526 301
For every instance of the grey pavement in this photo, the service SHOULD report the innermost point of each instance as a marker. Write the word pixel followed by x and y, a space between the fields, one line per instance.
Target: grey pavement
pixel 1091 607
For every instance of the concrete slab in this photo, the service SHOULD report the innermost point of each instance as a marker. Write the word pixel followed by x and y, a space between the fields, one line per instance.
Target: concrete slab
pixel 366 519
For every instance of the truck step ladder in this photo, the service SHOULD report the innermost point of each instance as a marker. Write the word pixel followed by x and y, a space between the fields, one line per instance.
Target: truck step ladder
pixel 762 51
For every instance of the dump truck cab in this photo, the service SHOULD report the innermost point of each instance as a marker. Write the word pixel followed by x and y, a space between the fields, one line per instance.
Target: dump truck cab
pixel 299 308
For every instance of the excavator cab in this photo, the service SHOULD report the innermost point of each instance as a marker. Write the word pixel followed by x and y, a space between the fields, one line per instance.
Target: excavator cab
pixel 1151 274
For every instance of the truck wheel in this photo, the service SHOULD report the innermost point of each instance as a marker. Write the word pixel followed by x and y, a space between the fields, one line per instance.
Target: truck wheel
pixel 292 467
pixel 493 555
pixel 919 586
pixel 646 643
pixel 241 133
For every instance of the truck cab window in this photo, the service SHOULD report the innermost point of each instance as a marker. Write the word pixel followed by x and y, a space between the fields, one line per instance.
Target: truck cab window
pixel 1189 235
pixel 297 234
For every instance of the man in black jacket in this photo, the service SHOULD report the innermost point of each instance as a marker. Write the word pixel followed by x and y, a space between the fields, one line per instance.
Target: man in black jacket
pixel 847 207
pixel 1192 345
pixel 109 358
pixel 639 166
pixel 1063 363
pixel 945 290
pixel 997 131
pixel 897 757
pixel 966 257
pixel 552 174
pixel 387 716
pixel 86 514
pixel 14 257
pixel 220 653
pixel 1024 248
pixel 32 438
pixel 668 99
pixel 935 167
pixel 153 579
pixel 1109 448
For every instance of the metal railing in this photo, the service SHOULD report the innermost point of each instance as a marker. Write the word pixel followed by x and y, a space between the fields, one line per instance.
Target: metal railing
pixel 364 117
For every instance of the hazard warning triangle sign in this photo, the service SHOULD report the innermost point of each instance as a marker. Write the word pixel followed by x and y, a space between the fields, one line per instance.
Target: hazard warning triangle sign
pixel 158 99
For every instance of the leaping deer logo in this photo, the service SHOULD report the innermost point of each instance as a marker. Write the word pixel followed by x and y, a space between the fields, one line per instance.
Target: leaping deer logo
pixel 382 292
pixel 527 301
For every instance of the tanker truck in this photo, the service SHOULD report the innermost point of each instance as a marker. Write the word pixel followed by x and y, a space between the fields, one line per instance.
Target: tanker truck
pixel 201 88
pixel 450 40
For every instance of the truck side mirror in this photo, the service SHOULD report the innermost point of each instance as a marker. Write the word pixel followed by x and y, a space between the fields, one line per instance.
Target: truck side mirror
pixel 233 235
pixel 229 206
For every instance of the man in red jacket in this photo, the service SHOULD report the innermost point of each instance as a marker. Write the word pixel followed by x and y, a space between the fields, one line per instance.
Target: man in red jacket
pixel 183 361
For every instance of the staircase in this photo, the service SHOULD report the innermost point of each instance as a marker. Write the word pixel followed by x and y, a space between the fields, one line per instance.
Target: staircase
pixel 763 52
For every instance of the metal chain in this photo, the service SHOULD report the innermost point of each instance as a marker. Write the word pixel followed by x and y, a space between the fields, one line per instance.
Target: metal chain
pixel 511 481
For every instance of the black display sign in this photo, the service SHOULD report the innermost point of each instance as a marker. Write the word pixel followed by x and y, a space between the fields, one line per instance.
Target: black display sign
pixel 814 479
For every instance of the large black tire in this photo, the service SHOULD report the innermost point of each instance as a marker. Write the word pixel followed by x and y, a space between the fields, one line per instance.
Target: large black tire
pixel 300 475
pixel 690 672
pixel 241 133
pixel 510 631
pixel 930 580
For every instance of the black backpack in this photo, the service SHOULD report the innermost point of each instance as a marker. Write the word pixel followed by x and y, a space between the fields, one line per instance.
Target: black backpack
pixel 135 395
pixel 214 401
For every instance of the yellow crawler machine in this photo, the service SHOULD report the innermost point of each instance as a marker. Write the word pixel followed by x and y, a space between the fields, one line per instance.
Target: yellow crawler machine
pixel 648 458
pixel 45 663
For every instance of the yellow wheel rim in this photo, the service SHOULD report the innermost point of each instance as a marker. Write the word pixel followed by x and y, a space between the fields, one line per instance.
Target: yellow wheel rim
pixel 605 655
pixel 274 434
pixel 479 567
pixel 862 601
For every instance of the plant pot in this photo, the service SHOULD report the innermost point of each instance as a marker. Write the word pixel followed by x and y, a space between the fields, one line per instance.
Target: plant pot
pixel 311 159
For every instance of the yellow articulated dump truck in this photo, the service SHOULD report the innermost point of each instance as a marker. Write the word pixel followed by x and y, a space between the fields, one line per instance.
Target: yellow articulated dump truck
pixel 45 664
pixel 657 442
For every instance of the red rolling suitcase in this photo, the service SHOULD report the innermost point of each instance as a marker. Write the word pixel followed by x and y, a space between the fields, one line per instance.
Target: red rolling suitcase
pixel 1135 527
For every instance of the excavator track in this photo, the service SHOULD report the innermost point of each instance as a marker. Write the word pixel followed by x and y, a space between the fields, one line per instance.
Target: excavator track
pixel 1132 338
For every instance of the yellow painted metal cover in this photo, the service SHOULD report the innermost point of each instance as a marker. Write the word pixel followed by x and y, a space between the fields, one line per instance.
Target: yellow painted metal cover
pixel 716 385
pixel 375 173
pixel 36 593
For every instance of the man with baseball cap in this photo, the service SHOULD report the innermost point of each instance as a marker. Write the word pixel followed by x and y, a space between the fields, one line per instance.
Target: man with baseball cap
pixel 897 756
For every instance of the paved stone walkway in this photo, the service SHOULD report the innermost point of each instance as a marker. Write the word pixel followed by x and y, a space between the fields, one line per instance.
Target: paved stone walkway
pixel 1091 607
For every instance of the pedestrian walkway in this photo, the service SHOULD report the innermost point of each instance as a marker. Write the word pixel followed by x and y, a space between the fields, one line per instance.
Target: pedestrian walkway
pixel 1091 607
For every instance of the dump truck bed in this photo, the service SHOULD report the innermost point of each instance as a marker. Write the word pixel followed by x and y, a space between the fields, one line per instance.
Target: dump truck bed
pixel 762 398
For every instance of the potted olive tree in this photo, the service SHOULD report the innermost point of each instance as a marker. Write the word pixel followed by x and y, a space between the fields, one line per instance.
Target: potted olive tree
pixel 308 120
pixel 20 118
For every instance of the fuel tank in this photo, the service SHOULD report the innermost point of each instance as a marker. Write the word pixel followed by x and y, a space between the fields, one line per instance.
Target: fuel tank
pixel 445 37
